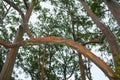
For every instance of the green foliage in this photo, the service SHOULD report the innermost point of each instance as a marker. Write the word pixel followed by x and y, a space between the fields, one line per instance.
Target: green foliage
pixel 117 74
pixel 98 7
pixel 60 61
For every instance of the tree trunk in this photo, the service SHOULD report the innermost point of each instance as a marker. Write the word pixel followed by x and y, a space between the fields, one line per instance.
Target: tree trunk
pixel 9 64
pixel 82 67
pixel 110 37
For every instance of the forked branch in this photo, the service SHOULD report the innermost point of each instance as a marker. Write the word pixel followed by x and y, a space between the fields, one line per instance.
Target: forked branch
pixel 25 17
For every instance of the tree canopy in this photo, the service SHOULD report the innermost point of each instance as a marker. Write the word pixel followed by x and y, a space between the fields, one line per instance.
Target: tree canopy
pixel 54 39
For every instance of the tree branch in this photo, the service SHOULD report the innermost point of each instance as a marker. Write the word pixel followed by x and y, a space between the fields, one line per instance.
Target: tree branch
pixel 100 40
pixel 9 63
pixel 110 37
pixel 26 5
pixel 25 18
pixel 7 10
pixel 15 7
pixel 25 21
pixel 80 48
pixel 28 13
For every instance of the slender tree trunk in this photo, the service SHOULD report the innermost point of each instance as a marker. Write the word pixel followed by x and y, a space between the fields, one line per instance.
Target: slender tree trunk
pixel 64 70
pixel 110 37
pixel 43 65
pixel 82 67
pixel 9 64
pixel 39 65
pixel 81 63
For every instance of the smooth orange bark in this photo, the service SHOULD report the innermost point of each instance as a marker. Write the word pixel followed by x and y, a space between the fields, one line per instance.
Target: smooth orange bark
pixel 79 47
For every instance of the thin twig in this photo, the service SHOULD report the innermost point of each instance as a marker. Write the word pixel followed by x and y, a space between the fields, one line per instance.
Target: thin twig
pixel 6 13
pixel 15 7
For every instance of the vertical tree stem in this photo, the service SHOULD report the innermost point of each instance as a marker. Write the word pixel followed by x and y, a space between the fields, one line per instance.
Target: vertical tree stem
pixel 9 64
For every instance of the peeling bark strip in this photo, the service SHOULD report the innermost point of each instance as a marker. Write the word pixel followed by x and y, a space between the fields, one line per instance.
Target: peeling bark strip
pixel 79 47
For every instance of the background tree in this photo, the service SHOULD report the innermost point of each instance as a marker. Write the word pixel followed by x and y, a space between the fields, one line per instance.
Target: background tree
pixel 69 20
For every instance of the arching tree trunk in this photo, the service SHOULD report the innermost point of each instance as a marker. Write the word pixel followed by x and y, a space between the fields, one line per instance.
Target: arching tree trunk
pixel 110 37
